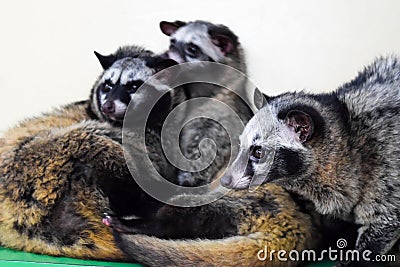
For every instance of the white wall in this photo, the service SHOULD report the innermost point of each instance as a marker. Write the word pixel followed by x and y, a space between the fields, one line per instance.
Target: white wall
pixel 47 59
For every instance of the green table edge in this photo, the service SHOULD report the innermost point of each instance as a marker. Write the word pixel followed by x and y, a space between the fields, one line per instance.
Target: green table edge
pixel 11 258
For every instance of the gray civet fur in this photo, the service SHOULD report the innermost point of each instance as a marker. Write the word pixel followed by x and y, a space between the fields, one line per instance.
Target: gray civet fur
pixel 340 150
pixel 124 72
pixel 111 106
pixel 203 41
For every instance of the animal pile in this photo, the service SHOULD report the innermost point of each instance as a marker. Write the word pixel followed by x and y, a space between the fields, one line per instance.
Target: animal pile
pixel 66 188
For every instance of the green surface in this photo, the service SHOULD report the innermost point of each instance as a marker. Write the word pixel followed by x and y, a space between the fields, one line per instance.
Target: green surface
pixel 11 258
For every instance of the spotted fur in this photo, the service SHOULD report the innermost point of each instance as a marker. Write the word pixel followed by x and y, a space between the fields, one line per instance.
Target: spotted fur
pixel 204 41
pixel 339 150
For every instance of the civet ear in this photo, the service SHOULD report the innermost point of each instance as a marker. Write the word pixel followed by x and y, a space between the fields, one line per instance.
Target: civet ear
pixel 224 43
pixel 301 123
pixel 105 61
pixel 169 28
pixel 260 99
pixel 224 38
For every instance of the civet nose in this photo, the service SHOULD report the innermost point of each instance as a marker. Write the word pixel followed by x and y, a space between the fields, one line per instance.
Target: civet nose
pixel 226 181
pixel 108 107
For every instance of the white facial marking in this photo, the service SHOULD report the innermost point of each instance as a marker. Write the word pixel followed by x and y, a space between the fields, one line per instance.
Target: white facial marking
pixel 120 108
pixel 176 57
pixel 112 74
pixel 103 99
pixel 135 69
pixel 270 130
pixel 126 70
pixel 198 35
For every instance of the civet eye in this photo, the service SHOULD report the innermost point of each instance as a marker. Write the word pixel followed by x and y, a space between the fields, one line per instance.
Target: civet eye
pixel 134 85
pixel 107 87
pixel 192 49
pixel 257 153
pixel 173 41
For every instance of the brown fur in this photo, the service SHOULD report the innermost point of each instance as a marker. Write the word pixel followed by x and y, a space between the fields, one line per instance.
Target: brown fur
pixel 42 190
pixel 39 185
pixel 278 226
